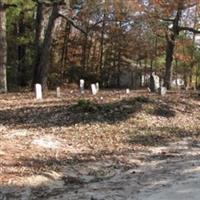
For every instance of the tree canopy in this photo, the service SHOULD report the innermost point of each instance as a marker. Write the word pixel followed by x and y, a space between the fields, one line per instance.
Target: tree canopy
pixel 57 41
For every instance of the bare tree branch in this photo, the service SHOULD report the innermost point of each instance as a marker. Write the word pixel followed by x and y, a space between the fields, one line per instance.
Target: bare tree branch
pixel 94 25
pixel 72 23
pixel 189 29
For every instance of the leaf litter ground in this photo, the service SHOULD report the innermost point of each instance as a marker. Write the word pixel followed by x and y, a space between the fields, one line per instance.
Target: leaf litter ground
pixel 109 146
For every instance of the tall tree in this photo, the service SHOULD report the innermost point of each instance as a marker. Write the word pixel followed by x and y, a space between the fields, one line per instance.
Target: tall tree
pixel 39 35
pixel 3 52
pixel 3 45
pixel 43 65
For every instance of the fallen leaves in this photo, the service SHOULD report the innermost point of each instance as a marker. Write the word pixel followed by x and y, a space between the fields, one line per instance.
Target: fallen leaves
pixel 37 137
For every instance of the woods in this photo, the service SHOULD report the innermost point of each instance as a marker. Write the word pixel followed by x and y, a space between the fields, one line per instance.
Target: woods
pixel 57 42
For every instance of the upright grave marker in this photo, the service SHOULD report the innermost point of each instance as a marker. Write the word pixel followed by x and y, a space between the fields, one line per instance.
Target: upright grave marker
pixel 142 80
pixel 58 94
pixel 127 91
pixel 82 83
pixel 162 91
pixel 94 89
pixel 38 91
pixel 97 87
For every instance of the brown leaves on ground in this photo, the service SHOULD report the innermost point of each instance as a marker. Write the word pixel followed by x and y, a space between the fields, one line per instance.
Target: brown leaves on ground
pixel 50 135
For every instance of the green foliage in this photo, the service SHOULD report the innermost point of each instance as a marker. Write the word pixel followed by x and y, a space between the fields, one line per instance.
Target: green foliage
pixel 84 105
pixel 20 37
pixel 142 99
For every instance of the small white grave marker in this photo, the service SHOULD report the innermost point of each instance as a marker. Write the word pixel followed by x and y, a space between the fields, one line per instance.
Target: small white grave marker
pixel 38 91
pixel 157 82
pixel 148 89
pixel 58 94
pixel 142 80
pixel 94 89
pixel 127 91
pixel 163 91
pixel 82 83
pixel 97 87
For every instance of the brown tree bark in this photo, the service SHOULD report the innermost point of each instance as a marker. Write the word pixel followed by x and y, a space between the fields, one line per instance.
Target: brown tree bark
pixel 169 60
pixel 64 55
pixel 21 71
pixel 3 51
pixel 102 45
pixel 171 40
pixel 43 66
pixel 38 40
pixel 44 48
pixel 84 52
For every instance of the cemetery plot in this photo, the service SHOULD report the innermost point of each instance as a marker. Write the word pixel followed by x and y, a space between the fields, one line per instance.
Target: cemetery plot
pixel 97 146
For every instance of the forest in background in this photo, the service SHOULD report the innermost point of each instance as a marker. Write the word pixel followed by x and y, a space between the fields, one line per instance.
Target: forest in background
pixel 54 42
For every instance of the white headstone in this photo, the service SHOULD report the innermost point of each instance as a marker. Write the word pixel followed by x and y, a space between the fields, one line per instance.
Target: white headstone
pixel 94 89
pixel 82 83
pixel 142 80
pixel 127 91
pixel 97 86
pixel 157 82
pixel 38 91
pixel 58 94
pixel 163 91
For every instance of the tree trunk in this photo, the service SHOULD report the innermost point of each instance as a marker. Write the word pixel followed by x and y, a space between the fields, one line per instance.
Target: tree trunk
pixel 197 76
pixel 84 52
pixel 21 66
pixel 43 66
pixel 119 69
pixel 21 53
pixel 171 40
pixel 169 60
pixel 102 44
pixel 193 50
pixel 38 40
pixel 64 55
pixel 3 51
